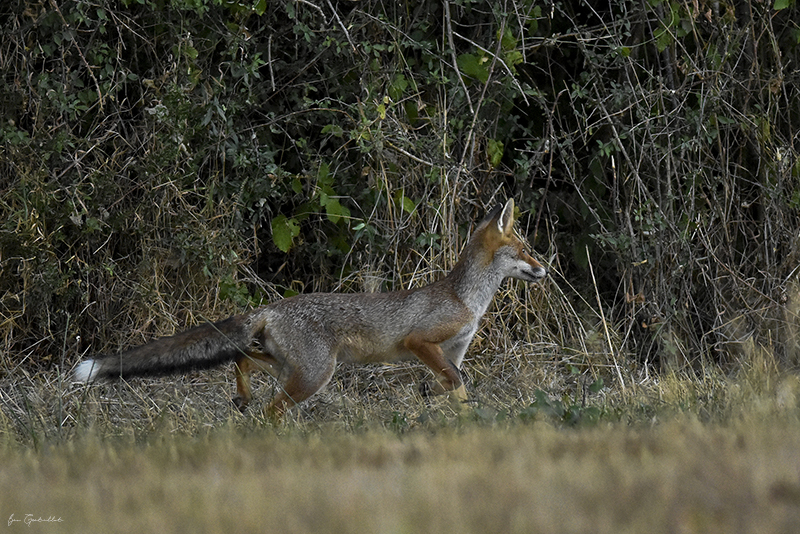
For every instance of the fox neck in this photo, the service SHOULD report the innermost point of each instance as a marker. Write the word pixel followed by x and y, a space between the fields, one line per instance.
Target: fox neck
pixel 475 279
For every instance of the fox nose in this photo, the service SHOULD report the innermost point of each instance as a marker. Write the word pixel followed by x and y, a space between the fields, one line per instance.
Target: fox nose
pixel 539 272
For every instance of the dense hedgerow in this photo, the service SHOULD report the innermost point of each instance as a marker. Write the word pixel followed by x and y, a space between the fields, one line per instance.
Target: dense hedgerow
pixel 164 162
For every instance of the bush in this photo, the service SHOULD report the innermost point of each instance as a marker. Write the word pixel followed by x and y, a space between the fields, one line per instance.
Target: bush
pixel 163 162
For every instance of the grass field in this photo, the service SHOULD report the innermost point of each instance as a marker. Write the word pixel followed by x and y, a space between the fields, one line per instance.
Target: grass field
pixel 711 454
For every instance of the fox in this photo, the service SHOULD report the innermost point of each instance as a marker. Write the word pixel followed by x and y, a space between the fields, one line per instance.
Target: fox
pixel 299 340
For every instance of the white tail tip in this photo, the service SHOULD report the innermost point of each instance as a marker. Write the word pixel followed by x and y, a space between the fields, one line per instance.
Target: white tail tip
pixel 86 371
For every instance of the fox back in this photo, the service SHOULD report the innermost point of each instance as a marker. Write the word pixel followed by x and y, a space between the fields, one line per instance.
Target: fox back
pixel 300 339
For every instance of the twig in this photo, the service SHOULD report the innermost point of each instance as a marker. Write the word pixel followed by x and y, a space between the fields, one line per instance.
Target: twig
pixel 496 57
pixel 410 155
pixel 470 141
pixel 315 6
pixel 269 62
pixel 339 22
pixel 551 149
pixel 453 53
pixel 603 319
pixel 80 53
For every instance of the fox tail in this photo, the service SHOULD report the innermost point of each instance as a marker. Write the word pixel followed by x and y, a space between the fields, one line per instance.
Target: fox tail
pixel 204 346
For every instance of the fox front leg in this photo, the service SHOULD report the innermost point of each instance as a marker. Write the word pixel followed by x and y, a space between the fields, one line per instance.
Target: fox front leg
pixel 457 397
pixel 448 376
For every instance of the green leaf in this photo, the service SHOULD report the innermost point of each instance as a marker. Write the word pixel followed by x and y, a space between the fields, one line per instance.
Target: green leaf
pixel 533 25
pixel 663 39
pixel 781 4
pixel 397 87
pixel 92 224
pixel 324 177
pixel 284 230
pixel 230 290
pixel 597 385
pixel 412 112
pixel 495 150
pixel 333 129
pixel 405 203
pixel 513 58
pixel 474 66
pixel 508 41
pixel 334 208
pixel 297 187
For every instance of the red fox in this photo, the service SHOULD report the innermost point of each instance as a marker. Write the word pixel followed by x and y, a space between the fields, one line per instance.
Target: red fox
pixel 298 340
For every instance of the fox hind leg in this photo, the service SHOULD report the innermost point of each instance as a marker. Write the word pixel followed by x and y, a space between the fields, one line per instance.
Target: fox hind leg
pixel 246 364
pixel 300 385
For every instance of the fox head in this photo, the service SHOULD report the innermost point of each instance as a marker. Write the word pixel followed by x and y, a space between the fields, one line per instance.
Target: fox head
pixel 506 252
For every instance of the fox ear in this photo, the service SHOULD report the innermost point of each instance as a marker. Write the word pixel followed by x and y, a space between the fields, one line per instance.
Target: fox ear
pixel 505 223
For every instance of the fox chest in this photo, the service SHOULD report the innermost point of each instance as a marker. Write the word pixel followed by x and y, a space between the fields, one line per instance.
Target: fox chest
pixel 455 347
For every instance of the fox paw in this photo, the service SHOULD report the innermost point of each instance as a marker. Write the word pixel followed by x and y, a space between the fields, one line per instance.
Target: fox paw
pixel 240 403
pixel 458 397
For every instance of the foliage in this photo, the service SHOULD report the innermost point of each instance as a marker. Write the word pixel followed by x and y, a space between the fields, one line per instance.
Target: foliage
pixel 568 411
pixel 162 162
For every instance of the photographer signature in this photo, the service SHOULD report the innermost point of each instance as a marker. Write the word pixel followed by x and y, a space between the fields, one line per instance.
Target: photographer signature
pixel 30 518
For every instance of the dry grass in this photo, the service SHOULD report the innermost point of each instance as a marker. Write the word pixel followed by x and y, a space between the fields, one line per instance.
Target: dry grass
pixel 677 454
pixel 680 476
pixel 537 450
